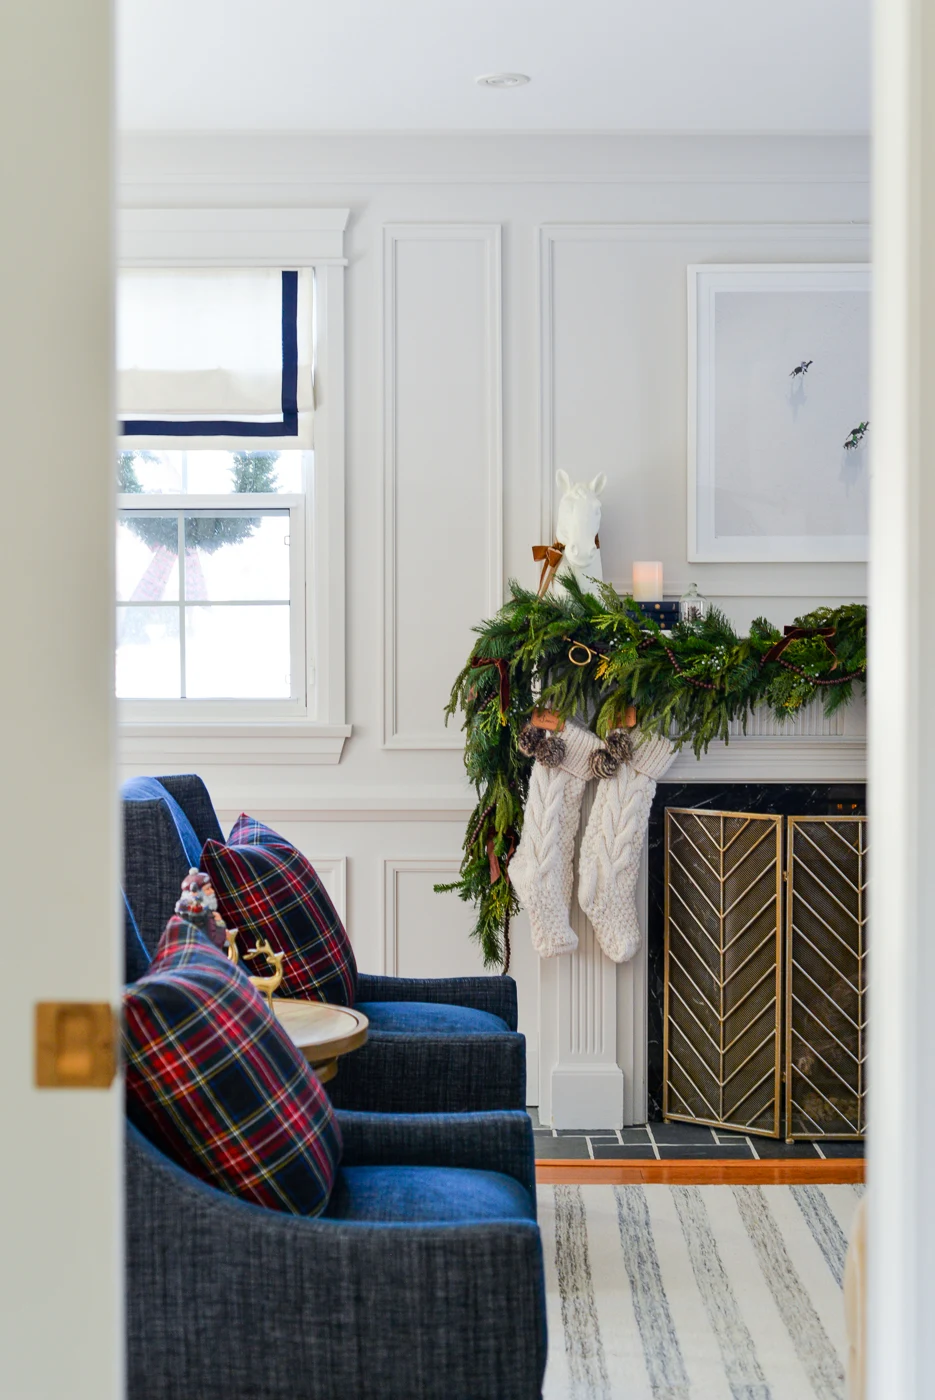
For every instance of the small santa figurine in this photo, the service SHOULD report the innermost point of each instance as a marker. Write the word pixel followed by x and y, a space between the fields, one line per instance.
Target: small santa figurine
pixel 198 903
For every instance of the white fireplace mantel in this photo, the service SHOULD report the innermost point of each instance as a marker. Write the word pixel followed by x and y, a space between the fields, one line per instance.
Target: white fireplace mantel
pixel 592 1012
pixel 808 748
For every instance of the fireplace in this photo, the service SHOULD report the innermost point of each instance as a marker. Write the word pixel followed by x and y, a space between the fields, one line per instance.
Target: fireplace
pixel 786 904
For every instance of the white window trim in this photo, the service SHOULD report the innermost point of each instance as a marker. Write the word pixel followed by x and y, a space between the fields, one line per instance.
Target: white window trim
pixel 269 238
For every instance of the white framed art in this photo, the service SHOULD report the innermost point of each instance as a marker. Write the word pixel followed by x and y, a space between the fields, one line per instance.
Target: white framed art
pixel 778 412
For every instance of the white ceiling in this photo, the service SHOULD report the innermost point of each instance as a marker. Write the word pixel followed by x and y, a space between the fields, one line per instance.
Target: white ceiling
pixel 410 65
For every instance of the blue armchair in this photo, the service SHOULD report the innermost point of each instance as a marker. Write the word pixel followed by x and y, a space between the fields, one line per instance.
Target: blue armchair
pixel 422 1281
pixel 436 1045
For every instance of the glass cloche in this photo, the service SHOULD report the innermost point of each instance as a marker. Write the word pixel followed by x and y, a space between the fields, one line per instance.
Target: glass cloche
pixel 692 606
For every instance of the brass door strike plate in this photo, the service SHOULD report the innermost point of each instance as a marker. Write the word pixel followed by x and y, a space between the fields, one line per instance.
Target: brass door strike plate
pixel 76 1045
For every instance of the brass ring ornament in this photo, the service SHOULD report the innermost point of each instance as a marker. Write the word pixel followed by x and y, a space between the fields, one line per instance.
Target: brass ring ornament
pixel 589 653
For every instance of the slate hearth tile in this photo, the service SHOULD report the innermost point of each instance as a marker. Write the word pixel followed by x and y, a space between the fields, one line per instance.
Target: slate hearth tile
pixel 564 1147
pixel 676 1133
pixel 668 1151
pixel 603 1138
pixel 534 1115
pixel 636 1137
pixel 624 1154
pixel 582 1132
pixel 770 1148
pixel 842 1149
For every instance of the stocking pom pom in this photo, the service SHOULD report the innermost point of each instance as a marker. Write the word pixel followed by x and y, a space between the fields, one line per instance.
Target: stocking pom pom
pixel 550 751
pixel 603 763
pixel 620 745
pixel 529 739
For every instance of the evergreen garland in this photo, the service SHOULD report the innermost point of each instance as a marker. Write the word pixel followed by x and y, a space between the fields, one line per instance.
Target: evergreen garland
pixel 690 685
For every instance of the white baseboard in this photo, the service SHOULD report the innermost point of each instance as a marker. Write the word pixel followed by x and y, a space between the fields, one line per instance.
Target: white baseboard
pixel 589 1096
pixel 532 1075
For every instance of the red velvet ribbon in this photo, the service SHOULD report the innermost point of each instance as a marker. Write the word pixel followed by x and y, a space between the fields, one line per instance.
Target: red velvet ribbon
pixel 794 634
pixel 550 556
pixel 496 869
pixel 504 671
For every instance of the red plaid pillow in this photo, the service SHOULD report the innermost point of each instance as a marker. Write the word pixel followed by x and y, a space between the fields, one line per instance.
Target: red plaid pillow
pixel 266 888
pixel 213 1080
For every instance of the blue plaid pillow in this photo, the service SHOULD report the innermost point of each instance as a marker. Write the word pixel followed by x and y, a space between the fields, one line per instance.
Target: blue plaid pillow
pixel 216 1082
pixel 268 889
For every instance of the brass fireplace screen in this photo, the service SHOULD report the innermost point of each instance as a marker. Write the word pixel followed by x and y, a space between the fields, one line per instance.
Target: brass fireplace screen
pixel 764 973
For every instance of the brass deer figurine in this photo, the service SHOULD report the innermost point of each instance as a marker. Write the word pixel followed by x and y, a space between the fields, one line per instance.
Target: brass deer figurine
pixel 266 985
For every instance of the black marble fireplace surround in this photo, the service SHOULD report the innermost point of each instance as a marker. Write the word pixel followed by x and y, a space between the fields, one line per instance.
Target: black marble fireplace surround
pixel 779 799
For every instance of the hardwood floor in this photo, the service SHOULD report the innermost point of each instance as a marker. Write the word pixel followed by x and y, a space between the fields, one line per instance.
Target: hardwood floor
pixel 702 1172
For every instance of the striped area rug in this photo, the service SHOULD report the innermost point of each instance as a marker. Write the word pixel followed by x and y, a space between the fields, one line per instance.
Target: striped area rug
pixel 695 1292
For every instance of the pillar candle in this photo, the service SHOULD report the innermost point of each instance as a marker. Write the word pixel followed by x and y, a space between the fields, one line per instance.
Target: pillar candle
pixel 647 581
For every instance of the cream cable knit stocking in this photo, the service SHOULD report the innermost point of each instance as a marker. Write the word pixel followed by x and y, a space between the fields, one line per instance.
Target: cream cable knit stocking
pixel 610 848
pixel 541 869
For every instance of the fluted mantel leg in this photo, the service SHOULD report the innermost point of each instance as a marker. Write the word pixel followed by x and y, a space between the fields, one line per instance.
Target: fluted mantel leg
pixel 588 1007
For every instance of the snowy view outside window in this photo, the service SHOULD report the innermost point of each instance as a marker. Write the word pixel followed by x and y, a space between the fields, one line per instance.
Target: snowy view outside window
pixel 203 589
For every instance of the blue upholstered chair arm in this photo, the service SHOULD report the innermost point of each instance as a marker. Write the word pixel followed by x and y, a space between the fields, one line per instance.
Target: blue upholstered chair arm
pixel 494 994
pixel 226 1301
pixel 433 1074
pixel 191 794
pixel 493 1142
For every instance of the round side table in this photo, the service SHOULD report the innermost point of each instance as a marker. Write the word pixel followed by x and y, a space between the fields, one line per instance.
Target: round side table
pixel 321 1031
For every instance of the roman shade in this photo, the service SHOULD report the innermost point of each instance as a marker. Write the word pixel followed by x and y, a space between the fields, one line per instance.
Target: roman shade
pixel 214 357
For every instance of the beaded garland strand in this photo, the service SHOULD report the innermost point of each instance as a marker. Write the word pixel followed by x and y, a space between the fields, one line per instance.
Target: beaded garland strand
pixel 597 657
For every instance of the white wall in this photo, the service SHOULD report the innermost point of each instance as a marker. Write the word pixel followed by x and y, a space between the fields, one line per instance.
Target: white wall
pixel 582 359
pixel 61 1276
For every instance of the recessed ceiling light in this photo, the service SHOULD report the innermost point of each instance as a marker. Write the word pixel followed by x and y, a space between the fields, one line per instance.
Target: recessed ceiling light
pixel 503 80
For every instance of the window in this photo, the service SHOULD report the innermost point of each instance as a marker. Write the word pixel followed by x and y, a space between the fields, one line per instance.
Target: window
pixel 211 577
pixel 230 535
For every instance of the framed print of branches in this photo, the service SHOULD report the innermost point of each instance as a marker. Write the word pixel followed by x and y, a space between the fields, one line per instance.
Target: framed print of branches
pixel 778 413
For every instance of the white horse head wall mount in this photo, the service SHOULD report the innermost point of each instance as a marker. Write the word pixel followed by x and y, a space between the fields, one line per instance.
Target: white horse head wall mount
pixel 577 525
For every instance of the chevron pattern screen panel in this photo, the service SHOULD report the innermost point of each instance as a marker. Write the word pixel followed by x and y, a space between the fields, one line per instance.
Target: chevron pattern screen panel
pixel 723 969
pixel 826 944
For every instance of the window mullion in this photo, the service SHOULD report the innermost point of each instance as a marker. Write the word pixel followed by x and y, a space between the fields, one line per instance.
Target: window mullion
pixel 181 537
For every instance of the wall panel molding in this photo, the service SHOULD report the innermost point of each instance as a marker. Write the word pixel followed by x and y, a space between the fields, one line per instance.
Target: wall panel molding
pixel 363 809
pixel 332 871
pixel 472 579
pixel 439 870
